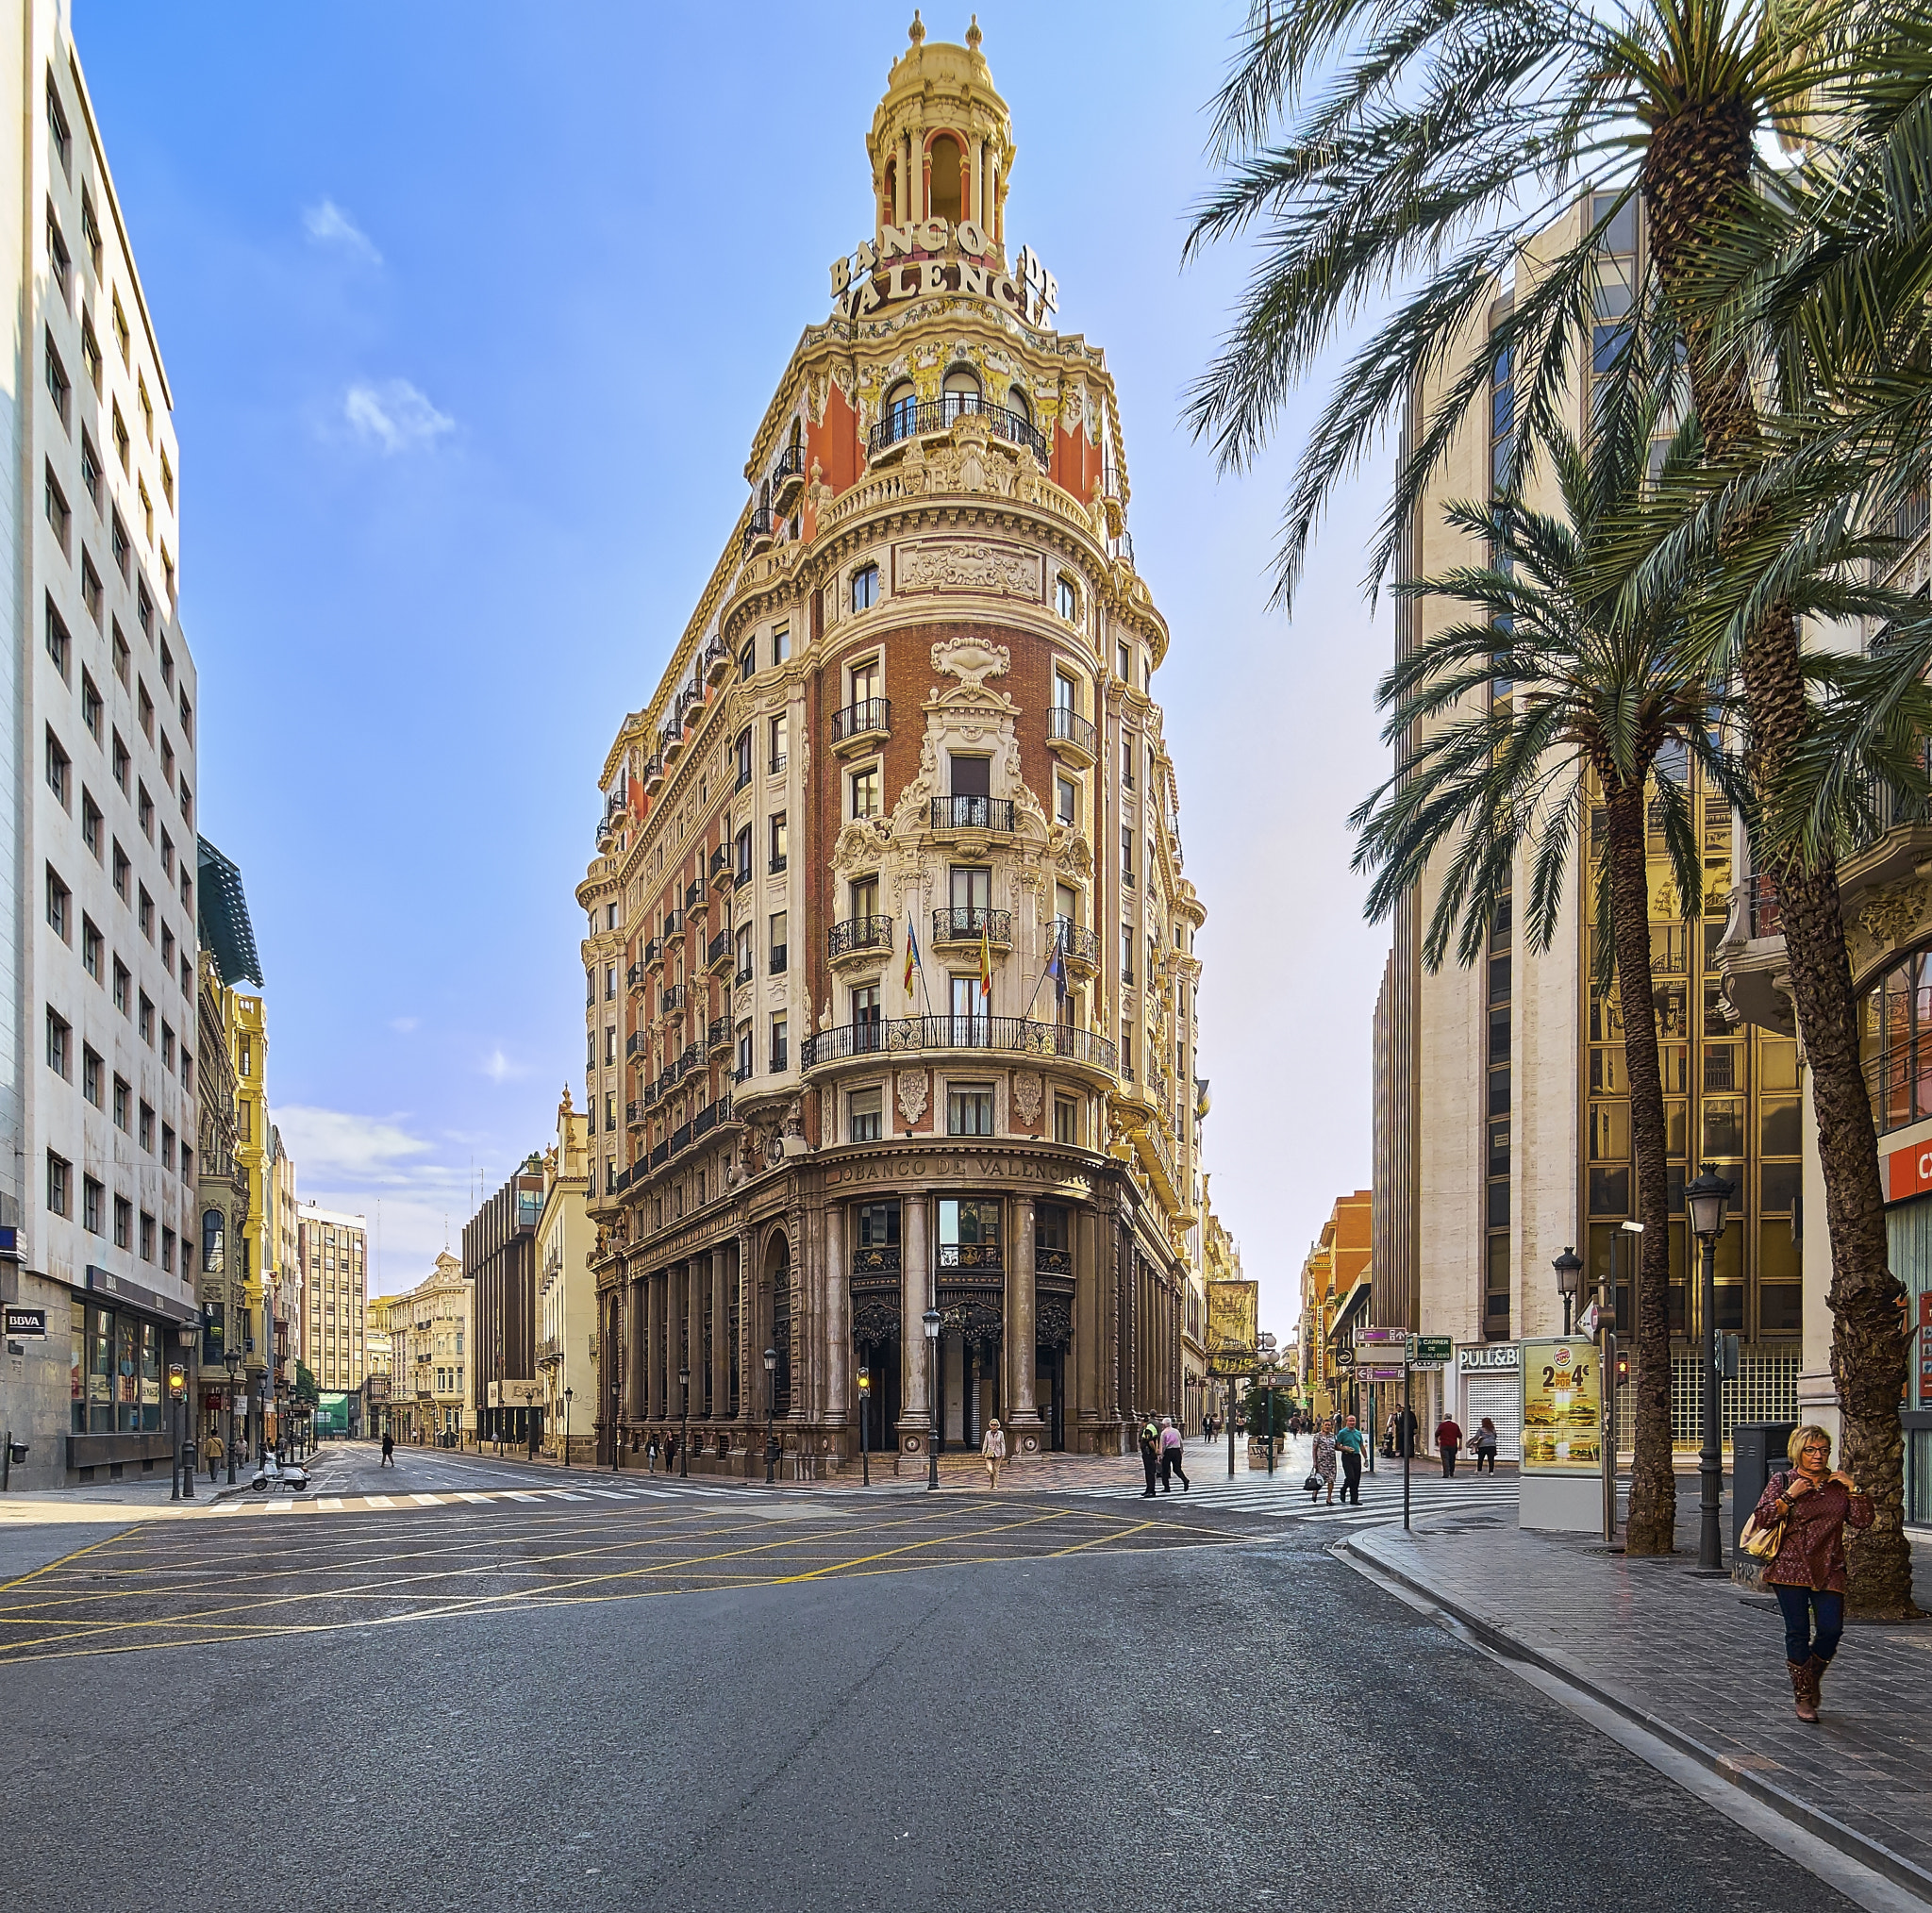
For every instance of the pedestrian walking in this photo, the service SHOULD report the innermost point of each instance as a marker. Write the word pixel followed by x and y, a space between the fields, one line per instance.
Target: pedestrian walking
pixel 1448 1439
pixel 1486 1443
pixel 995 1449
pixel 1388 1436
pixel 1150 1454
pixel 214 1451
pixel 1352 1444
pixel 1405 1433
pixel 1172 1457
pixel 388 1449
pixel 1813 1503
pixel 1322 1474
pixel 1206 1427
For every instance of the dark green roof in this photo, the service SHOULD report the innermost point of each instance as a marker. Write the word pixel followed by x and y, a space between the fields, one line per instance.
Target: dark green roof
pixel 223 917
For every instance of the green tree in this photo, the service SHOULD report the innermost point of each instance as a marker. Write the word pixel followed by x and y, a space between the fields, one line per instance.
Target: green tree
pixel 1504 714
pixel 1420 149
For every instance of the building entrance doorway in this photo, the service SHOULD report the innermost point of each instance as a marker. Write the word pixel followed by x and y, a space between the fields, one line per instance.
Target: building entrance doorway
pixel 969 1371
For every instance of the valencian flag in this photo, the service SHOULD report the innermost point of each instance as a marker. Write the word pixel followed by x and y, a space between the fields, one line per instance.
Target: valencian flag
pixel 985 963
pixel 911 957
pixel 1057 969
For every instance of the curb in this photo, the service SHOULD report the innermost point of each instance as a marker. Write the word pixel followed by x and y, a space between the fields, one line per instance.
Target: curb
pixel 1848 1840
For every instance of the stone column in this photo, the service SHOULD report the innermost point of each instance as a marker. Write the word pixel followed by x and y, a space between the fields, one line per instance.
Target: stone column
pixel 837 1316
pixel 915 1298
pixel 721 1334
pixel 751 1363
pixel 694 1337
pixel 633 1344
pixel 974 197
pixel 1022 1422
pixel 654 1338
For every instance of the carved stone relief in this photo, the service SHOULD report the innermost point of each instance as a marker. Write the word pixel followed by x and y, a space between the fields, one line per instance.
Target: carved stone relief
pixel 911 1087
pixel 968 565
pixel 1027 1091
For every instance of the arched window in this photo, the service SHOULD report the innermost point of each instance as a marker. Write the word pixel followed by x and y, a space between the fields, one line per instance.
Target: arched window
pixel 888 211
pixel 947 172
pixel 1020 404
pixel 213 1227
pixel 961 392
pixel 901 411
pixel 865 588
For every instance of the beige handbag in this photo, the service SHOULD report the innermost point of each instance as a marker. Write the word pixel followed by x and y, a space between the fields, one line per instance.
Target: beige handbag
pixel 1762 1543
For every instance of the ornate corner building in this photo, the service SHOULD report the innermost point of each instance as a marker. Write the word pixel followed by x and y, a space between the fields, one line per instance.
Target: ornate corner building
pixel 891 1004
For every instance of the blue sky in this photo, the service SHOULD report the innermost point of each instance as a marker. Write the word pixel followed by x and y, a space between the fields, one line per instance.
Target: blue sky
pixel 469 311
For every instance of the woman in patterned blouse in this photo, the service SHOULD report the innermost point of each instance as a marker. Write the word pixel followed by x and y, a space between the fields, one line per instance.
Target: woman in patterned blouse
pixel 1815 1503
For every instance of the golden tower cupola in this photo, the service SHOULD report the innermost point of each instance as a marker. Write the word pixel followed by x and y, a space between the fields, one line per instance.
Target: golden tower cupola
pixel 941 147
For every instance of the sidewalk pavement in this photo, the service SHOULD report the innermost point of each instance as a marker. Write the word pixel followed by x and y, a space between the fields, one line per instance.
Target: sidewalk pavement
pixel 1699 1663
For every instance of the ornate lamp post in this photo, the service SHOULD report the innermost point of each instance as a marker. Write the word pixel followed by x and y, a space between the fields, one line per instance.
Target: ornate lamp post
pixel 684 1422
pixel 771 1385
pixel 235 1362
pixel 567 1393
pixel 1706 1198
pixel 1569 1268
pixel 864 1410
pixel 931 1322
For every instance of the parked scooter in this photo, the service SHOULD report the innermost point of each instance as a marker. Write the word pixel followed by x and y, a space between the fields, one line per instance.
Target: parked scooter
pixel 285 1477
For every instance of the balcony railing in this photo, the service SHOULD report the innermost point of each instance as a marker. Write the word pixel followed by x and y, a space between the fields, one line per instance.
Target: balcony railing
pixel 1908 519
pixel 979 1258
pixel 880 1260
pixel 1052 1261
pixel 858 933
pixel 674 924
pixel 908 421
pixel 719 951
pixel 974 813
pixel 720 862
pixel 1008 1034
pixel 759 530
pixel 867 715
pixel 718 1032
pixel 634 1043
pixel 654 950
pixel 1065 726
pixel 968 925
pixel 671 999
pixel 695 895
pixel 1075 943
pixel 634 976
pixel 790 470
pixel 1762 917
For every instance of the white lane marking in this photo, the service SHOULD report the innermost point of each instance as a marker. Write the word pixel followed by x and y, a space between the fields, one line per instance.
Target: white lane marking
pixel 568 1496
pixel 519 1494
pixel 226 1507
pixel 462 1496
pixel 277 1508
pixel 329 1501
pixel 427 1500
pixel 377 1501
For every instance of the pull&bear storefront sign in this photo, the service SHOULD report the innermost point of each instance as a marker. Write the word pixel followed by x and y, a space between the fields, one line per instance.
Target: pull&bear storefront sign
pixel 865 280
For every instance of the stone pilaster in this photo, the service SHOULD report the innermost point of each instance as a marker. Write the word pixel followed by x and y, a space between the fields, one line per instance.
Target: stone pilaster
pixel 915 1298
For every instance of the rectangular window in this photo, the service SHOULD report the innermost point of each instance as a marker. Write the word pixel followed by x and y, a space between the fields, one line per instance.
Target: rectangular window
pixel 779 1053
pixel 780 739
pixel 781 643
pixel 863 1118
pixel 1127 855
pixel 90 586
pixel 145 1134
pixel 57 135
pixel 59 645
pixel 90 1194
pixel 743 1072
pixel 60 1183
pixel 744 955
pixel 124 1221
pixel 58 388
pixel 741 855
pixel 58 514
pixel 145 1022
pixel 1126 953
pixel 778 843
pixel 90 1076
pixel 865 791
pixel 59 902
pixel 121 979
pixel 969 1109
pixel 59 264
pixel 1066 1119
pixel 59 1042
pixel 147 1236
pixel 775 943
pixel 1066 800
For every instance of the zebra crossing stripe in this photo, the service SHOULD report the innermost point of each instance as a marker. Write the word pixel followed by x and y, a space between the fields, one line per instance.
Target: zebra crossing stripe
pixel 377 1501
pixel 426 1500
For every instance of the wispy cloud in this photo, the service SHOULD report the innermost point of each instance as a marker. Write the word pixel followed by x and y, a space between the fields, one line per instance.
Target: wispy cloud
pixel 328 224
pixel 499 1068
pixel 393 416
pixel 334 1145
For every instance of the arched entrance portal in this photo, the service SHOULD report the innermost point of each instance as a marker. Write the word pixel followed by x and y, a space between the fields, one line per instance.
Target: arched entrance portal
pixel 777 1313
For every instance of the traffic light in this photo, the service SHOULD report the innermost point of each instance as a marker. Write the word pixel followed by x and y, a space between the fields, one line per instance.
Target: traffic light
pixel 178 1381
pixel 1623 1366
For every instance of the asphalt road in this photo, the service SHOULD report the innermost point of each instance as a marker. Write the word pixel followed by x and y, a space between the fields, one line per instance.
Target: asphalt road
pixel 796 1705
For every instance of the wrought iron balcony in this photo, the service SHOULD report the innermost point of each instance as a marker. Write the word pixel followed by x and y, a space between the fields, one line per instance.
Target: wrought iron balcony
pixel 909 421
pixel 787 475
pixel 634 976
pixel 1079 946
pixel 1009 1034
pixel 1763 917
pixel 634 1043
pixel 634 1112
pixel 880 1260
pixel 720 865
pixel 669 999
pixel 967 926
pixel 1069 728
pixel 718 1032
pixel 654 950
pixel 719 956
pixel 869 717
pixel 974 813
pixel 1053 1261
pixel 674 924
pixel 716 661
pixel 695 895
pixel 983 1257
pixel 758 531
pixel 857 935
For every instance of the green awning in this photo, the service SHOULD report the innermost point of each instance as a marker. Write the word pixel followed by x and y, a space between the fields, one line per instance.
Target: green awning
pixel 223 917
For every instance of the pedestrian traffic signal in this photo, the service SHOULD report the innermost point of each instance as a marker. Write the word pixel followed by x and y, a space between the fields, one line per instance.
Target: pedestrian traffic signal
pixel 178 1381
pixel 1623 1366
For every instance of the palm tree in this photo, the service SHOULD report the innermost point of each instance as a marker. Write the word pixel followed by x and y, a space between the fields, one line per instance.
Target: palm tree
pixel 1491 779
pixel 1428 145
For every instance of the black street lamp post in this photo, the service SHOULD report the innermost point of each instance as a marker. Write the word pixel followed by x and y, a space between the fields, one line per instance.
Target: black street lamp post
pixel 234 1363
pixel 1569 1268
pixel 1706 1199
pixel 684 1422
pixel 770 1410
pixel 566 1426
pixel 931 1322
pixel 864 1407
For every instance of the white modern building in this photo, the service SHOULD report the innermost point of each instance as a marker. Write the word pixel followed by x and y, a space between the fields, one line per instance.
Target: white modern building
pixel 97 809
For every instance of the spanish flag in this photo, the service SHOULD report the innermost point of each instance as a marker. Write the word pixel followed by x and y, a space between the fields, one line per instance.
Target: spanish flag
pixel 911 957
pixel 985 961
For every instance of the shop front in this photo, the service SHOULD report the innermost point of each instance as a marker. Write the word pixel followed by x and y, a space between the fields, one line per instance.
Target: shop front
pixel 1488 1382
pixel 123 1337
pixel 1909 1228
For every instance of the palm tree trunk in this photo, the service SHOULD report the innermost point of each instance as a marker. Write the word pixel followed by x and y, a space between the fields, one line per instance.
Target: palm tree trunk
pixel 1653 1522
pixel 1696 170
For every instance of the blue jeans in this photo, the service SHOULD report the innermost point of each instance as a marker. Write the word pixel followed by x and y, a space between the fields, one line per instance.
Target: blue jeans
pixel 1800 1604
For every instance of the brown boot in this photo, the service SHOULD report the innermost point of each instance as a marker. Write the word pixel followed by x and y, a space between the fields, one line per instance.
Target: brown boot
pixel 1802 1689
pixel 1815 1668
